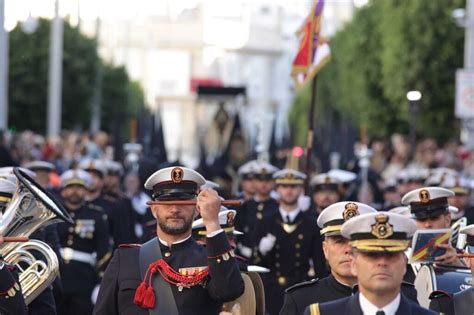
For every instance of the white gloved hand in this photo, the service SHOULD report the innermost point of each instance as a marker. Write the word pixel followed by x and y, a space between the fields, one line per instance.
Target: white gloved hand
pixel 304 202
pixel 94 294
pixel 266 244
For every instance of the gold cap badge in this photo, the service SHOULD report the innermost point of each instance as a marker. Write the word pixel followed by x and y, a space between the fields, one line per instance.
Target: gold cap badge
pixel 230 218
pixel 177 175
pixel 382 229
pixel 424 196
pixel 350 210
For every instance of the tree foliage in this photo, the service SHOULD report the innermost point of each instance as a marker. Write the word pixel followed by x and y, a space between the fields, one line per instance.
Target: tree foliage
pixel 389 48
pixel 28 81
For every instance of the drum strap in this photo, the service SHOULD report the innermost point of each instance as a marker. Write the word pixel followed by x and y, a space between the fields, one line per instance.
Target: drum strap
pixel 151 252
pixel 463 301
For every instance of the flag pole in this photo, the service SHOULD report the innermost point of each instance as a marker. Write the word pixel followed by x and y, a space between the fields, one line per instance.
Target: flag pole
pixel 310 139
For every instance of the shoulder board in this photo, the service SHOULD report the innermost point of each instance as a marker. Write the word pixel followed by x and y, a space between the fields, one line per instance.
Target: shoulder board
pixel 439 294
pixel 302 284
pixel 408 284
pixel 129 245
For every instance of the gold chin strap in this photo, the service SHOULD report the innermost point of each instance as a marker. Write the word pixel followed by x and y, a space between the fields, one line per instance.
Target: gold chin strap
pixel 380 245
pixel 5 199
pixel 331 228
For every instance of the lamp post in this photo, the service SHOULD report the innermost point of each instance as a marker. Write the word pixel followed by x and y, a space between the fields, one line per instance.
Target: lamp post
pixel 413 98
pixel 465 18
pixel 3 69
pixel 55 75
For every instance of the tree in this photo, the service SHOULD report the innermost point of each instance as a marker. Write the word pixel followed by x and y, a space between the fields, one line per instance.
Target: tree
pixel 28 83
pixel 28 77
pixel 389 48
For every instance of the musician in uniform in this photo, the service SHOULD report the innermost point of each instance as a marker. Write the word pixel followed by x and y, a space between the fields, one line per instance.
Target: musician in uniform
pixel 172 274
pixel 252 212
pixel 325 192
pixel 44 303
pixel 86 246
pixel 289 243
pixel 247 180
pixel 378 242
pixel 430 209
pixel 461 302
pixel 337 253
pixel 112 190
pixel 11 298
pixel 119 227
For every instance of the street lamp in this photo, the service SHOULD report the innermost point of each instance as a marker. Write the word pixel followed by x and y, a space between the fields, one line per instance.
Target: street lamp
pixel 413 98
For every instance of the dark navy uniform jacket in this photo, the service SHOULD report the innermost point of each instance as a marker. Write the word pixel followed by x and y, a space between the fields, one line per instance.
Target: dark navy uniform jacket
pixel 296 244
pixel 351 306
pixel 223 284
pixel 118 219
pixel 89 234
pixel 299 296
pixel 248 219
pixel 11 299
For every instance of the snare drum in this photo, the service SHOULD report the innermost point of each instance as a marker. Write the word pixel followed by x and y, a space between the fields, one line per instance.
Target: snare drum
pixel 449 279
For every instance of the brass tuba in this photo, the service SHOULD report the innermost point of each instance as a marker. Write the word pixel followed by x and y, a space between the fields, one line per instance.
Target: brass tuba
pixel 31 207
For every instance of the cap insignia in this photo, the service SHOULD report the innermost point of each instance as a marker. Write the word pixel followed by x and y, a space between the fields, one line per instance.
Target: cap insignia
pixel 327 180
pixel 230 218
pixel 350 210
pixel 177 175
pixel 264 171
pixel 382 229
pixel 424 196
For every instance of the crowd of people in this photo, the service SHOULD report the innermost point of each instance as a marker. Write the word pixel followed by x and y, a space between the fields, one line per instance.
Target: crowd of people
pixel 314 246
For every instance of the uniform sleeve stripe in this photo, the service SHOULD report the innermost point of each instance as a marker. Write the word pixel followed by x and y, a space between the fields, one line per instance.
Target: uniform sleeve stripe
pixel 104 259
pixel 314 309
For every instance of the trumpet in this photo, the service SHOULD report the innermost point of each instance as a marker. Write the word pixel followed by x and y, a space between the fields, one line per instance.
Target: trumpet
pixel 30 208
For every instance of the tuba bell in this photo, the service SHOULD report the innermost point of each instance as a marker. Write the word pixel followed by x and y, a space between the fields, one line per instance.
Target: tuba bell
pixel 31 207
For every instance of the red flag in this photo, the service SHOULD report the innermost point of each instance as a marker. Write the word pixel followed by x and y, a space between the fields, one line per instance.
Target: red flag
pixel 313 52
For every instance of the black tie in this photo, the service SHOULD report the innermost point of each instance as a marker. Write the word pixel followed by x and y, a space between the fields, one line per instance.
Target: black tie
pixel 288 219
pixel 380 313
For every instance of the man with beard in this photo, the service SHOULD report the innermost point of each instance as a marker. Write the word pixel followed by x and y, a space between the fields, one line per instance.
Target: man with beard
pixel 325 192
pixel 337 253
pixel 86 246
pixel 252 212
pixel 172 274
pixel 289 242
pixel 118 218
pixel 378 242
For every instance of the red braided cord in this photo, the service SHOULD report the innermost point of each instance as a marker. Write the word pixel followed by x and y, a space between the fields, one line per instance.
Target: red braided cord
pixel 173 277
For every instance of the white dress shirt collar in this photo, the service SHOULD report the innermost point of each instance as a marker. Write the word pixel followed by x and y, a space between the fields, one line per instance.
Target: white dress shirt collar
pixel 177 242
pixel 370 309
pixel 292 214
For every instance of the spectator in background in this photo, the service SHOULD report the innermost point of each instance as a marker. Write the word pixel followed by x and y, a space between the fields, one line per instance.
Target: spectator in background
pixel 5 156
